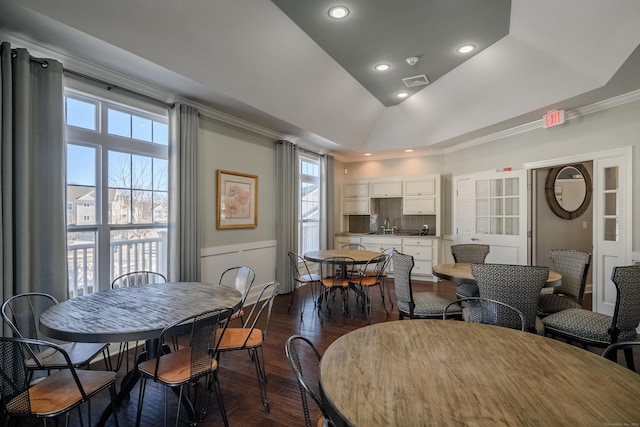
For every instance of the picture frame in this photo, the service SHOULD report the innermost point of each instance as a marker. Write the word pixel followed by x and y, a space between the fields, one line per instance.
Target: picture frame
pixel 237 200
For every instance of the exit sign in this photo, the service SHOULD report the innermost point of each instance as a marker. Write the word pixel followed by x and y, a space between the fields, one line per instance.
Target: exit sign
pixel 554 118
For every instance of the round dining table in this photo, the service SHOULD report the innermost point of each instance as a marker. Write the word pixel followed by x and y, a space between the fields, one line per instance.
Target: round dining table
pixel 359 256
pixel 450 372
pixel 131 314
pixel 460 273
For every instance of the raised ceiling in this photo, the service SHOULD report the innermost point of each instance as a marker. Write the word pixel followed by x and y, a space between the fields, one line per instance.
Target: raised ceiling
pixel 254 66
pixel 389 32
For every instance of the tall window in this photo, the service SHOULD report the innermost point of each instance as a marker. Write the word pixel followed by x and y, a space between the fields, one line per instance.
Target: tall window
pixel 309 204
pixel 117 189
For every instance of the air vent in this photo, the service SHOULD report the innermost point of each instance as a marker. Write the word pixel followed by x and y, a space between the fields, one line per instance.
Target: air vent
pixel 414 81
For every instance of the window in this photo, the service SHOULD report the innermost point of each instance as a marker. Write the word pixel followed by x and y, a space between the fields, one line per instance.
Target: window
pixel 309 204
pixel 117 188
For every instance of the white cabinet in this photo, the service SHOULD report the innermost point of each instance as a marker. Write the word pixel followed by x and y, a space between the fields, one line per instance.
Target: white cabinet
pixel 386 189
pixel 419 205
pixel 424 186
pixel 425 255
pixel 355 206
pixel 345 240
pixel 355 189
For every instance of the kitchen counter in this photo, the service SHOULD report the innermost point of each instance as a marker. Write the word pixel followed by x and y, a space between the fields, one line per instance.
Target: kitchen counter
pixel 397 234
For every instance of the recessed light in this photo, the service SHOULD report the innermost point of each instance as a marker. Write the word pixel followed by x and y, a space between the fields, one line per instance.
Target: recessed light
pixel 382 67
pixel 366 154
pixel 466 48
pixel 402 94
pixel 408 150
pixel 338 12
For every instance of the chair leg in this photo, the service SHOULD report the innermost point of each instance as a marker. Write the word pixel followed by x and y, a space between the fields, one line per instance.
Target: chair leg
pixel 258 359
pixel 216 385
pixel 628 357
pixel 112 393
pixel 143 386
pixel 293 295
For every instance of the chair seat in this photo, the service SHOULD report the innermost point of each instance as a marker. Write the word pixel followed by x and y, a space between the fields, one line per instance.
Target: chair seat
pixel 174 368
pixel 234 338
pixel 584 325
pixel 368 281
pixel 80 353
pixel 428 304
pixel 308 278
pixel 467 290
pixel 330 282
pixel 63 386
pixel 553 303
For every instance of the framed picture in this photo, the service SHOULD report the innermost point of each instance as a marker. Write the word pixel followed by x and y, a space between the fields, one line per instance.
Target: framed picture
pixel 237 200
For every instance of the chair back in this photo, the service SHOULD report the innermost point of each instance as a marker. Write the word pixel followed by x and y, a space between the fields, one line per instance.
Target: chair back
pixel 515 285
pixel 299 267
pixel 334 271
pixel 22 313
pixel 573 265
pixel 375 267
pixel 300 349
pixel 626 315
pixel 402 266
pixel 353 246
pixel 239 277
pixel 262 307
pixel 135 278
pixel 470 252
pixel 489 312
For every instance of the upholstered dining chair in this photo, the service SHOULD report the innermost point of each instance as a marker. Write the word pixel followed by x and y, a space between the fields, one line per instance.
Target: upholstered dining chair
pixel 302 277
pixel 304 358
pixel 241 278
pixel 418 305
pixel 626 346
pixel 375 268
pixel 472 253
pixel 516 285
pixel 251 336
pixel 589 328
pixel 54 395
pixel 489 312
pixel 573 265
pixel 22 313
pixel 188 364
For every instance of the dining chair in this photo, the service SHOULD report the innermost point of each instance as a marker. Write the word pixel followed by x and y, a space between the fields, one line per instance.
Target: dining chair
pixel 133 278
pixel 516 285
pixel 304 358
pixel 418 305
pixel 334 274
pixel 489 312
pixel 374 269
pixel 472 253
pixel 573 265
pixel 52 396
pixel 250 337
pixel 22 313
pixel 626 346
pixel 353 246
pixel 589 328
pixel 242 279
pixel 302 277
pixel 186 365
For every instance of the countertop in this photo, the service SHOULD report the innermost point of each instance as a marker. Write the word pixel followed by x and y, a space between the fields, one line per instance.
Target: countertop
pixel 397 234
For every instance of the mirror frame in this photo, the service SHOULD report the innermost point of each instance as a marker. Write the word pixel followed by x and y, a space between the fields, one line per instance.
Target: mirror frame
pixel 551 195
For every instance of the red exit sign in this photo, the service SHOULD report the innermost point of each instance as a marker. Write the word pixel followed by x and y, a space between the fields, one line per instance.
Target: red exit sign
pixel 554 118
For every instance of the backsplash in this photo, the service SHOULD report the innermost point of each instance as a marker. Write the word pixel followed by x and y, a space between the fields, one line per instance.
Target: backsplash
pixel 390 208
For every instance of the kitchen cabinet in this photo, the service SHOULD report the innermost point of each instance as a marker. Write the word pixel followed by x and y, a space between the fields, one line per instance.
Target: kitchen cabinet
pixel 423 186
pixel 355 189
pixel 425 255
pixel 419 205
pixel 355 206
pixel 386 189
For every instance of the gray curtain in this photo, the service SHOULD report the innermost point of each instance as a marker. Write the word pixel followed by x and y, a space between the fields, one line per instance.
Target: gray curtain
pixel 184 239
pixel 32 176
pixel 286 211
pixel 327 227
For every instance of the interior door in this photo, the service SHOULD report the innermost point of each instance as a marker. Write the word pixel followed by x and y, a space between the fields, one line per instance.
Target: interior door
pixel 491 208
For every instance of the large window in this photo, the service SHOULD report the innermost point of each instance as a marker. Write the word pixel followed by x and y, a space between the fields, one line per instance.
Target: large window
pixel 117 189
pixel 309 204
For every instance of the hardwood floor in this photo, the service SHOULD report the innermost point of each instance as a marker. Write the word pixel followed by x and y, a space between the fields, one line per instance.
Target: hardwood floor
pixel 237 374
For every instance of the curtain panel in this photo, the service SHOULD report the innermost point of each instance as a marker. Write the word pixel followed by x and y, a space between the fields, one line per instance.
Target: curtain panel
pixel 286 211
pixel 33 175
pixel 184 237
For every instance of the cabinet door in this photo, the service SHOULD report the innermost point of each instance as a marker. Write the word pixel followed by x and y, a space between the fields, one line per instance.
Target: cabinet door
pixel 386 189
pixel 355 206
pixel 356 189
pixel 420 187
pixel 417 205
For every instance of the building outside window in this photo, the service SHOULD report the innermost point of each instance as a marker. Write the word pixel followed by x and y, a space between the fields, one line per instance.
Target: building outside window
pixel 309 203
pixel 117 187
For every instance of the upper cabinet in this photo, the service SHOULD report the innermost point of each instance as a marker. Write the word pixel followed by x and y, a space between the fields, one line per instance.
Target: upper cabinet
pixel 355 189
pixel 386 189
pixel 421 186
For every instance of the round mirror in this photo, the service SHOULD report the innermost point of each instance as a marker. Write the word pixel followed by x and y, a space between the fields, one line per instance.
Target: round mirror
pixel 568 191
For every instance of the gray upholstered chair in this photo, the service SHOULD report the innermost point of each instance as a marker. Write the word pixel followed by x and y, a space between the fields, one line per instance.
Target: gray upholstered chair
pixel 419 305
pixel 516 285
pixel 301 277
pixel 601 330
pixel 573 265
pixel 470 253
pixel 488 312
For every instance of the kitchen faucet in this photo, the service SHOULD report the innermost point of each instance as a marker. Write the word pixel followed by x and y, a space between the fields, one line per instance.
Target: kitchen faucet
pixel 386 227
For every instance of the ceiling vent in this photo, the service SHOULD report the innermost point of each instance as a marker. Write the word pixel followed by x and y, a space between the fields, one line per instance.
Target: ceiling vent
pixel 414 81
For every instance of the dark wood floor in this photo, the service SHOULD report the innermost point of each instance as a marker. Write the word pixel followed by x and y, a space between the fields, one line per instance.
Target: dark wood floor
pixel 237 374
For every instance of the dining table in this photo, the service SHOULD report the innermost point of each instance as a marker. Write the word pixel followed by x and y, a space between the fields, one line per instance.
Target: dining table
pixel 450 372
pixel 460 273
pixel 135 313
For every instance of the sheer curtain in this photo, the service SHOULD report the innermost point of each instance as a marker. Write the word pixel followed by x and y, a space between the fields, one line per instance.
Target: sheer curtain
pixel 32 175
pixel 184 239
pixel 286 211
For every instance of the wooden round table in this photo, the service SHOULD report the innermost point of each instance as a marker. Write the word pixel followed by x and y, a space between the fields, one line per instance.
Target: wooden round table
pixel 448 372
pixel 460 272
pixel 359 256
